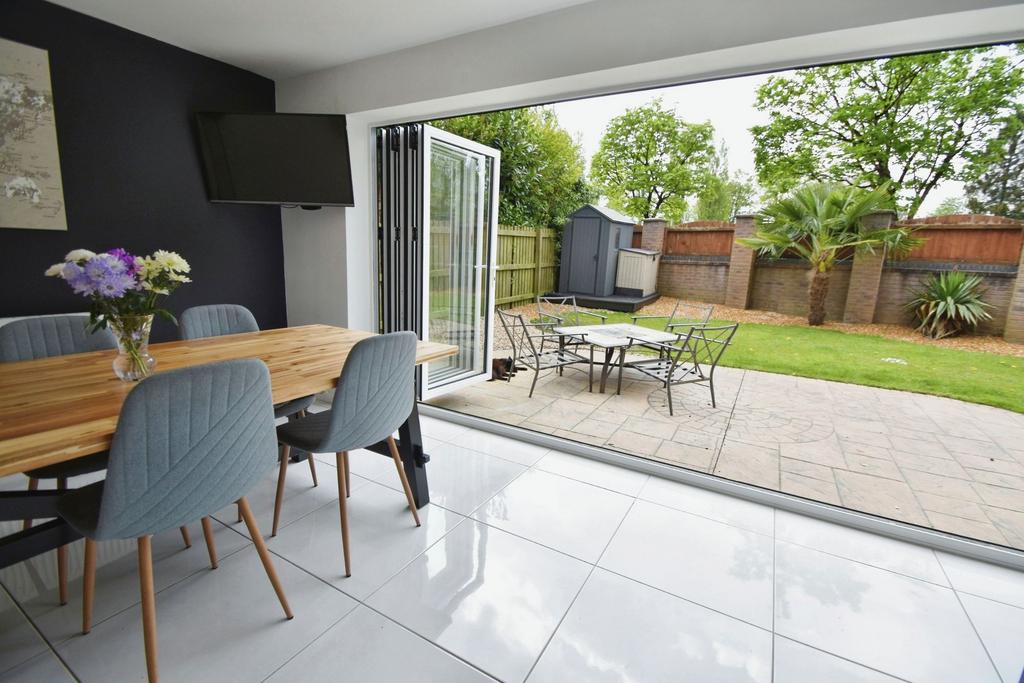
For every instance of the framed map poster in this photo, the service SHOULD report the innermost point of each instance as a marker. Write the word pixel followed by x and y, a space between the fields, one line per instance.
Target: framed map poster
pixel 31 193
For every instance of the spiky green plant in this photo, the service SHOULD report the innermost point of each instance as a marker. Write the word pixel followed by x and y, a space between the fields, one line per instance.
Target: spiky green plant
pixel 949 303
pixel 820 221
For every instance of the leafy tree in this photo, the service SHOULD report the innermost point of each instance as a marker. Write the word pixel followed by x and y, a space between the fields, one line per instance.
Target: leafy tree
pixel 950 206
pixel 541 178
pixel 650 160
pixel 911 121
pixel 820 221
pixel 999 188
pixel 724 195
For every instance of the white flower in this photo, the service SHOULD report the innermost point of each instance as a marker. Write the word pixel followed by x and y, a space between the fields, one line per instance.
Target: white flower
pixel 56 270
pixel 170 260
pixel 79 255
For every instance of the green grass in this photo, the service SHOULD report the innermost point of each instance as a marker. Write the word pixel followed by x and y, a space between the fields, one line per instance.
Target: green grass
pixel 978 377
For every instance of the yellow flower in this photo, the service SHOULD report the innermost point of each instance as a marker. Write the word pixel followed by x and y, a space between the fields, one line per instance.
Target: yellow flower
pixel 56 270
pixel 79 255
pixel 171 260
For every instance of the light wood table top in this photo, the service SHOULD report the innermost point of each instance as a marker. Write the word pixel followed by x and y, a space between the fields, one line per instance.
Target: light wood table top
pixel 61 408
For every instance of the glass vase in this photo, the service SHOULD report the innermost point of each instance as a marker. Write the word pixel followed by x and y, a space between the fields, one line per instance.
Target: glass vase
pixel 133 361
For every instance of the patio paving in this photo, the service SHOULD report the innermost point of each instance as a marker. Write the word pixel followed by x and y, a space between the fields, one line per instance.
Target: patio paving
pixel 931 461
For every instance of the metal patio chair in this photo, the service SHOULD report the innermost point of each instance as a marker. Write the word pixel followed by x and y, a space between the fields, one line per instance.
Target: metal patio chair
pixel 562 310
pixel 526 352
pixel 684 315
pixel 691 359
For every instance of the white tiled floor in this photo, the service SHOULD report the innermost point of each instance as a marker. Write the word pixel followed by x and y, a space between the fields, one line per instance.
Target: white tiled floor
pixel 530 565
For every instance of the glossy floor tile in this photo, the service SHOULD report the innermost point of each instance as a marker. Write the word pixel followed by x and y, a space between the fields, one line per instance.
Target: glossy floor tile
pixel 722 567
pixel 619 630
pixel 885 553
pixel 593 472
pixel 383 538
pixel 500 583
pixel 216 626
pixel 905 627
pixel 722 508
pixel 43 668
pixel 485 595
pixel 799 663
pixel 370 648
pixel 567 515
pixel 1001 628
pixel 34 583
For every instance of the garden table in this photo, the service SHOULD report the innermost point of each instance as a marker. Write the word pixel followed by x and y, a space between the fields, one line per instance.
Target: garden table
pixel 616 337
pixel 65 407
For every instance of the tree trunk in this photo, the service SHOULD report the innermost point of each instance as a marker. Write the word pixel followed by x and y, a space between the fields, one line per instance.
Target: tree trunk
pixel 816 297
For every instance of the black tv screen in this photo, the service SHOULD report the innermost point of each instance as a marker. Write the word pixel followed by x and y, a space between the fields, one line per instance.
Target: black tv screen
pixel 299 159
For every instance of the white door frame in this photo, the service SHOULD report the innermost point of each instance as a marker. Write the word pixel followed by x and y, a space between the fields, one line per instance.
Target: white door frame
pixel 485 271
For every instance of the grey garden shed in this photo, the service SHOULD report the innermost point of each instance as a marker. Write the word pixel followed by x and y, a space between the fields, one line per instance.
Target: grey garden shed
pixel 591 240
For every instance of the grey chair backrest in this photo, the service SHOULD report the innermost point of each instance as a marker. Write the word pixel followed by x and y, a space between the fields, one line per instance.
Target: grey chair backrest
pixel 375 391
pixel 702 346
pixel 518 332
pixel 51 335
pixel 188 443
pixel 217 319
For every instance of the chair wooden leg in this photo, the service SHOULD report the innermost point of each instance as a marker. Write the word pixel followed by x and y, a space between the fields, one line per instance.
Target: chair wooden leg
pixel 393 447
pixel 343 508
pixel 261 549
pixel 148 605
pixel 33 484
pixel 279 498
pixel 88 584
pixel 211 548
pixel 185 537
pixel 312 468
pixel 348 476
pixel 62 559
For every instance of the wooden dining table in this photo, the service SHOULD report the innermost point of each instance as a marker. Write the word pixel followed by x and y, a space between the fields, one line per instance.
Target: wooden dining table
pixel 65 407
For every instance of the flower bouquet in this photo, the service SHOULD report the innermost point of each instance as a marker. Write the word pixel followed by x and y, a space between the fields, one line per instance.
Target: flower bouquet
pixel 124 293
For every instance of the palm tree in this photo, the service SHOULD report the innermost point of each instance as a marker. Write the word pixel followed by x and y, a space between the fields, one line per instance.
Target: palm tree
pixel 819 222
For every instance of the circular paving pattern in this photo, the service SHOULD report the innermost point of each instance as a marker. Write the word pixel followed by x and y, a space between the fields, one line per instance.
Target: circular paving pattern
pixel 760 424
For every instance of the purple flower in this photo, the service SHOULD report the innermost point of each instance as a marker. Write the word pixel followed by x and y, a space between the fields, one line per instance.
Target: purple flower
pixel 127 259
pixel 76 276
pixel 115 284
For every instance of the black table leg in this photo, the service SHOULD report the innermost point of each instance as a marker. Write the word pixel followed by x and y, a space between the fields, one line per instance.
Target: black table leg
pixel 410 448
pixel 17 505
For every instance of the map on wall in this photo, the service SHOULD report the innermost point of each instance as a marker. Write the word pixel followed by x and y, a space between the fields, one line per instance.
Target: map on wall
pixel 31 194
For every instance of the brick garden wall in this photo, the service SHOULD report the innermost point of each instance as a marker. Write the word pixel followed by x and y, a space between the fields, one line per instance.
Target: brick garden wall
pixel 782 286
pixel 696 260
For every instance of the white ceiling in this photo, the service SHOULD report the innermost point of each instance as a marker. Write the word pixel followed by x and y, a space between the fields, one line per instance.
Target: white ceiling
pixel 283 38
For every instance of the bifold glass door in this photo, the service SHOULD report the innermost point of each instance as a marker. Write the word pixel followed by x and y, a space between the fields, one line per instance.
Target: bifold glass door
pixel 437 199
pixel 460 207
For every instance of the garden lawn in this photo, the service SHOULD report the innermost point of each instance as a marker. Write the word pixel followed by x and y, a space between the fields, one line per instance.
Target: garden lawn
pixel 987 378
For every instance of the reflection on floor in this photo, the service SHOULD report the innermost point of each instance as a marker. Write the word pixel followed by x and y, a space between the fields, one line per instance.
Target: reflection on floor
pixel 530 565
pixel 927 460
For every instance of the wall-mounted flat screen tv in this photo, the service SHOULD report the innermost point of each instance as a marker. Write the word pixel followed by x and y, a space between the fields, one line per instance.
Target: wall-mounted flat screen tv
pixel 287 159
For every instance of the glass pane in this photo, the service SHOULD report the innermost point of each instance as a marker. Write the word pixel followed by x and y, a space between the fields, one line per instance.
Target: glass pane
pixel 457 237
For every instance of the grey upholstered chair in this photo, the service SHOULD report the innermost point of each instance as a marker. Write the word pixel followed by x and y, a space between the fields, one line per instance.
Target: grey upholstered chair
pixel 44 337
pixel 216 320
pixel 188 442
pixel 374 397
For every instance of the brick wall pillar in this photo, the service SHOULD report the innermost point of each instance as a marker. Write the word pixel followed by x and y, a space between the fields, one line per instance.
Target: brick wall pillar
pixel 866 275
pixel 653 235
pixel 741 265
pixel 1014 330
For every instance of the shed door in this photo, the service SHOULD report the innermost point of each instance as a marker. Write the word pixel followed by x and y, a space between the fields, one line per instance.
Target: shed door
pixel 586 240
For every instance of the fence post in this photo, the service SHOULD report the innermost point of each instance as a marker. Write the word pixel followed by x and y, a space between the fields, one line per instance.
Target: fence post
pixel 741 264
pixel 866 275
pixel 538 249
pixel 1014 330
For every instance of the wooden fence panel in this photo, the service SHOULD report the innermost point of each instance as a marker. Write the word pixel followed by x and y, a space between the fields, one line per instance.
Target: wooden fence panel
pixel 698 242
pixel 969 245
pixel 527 265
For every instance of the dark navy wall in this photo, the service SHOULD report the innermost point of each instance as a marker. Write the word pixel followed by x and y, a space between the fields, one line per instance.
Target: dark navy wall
pixel 131 172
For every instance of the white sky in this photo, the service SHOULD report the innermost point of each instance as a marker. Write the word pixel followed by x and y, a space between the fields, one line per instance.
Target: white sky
pixel 727 104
